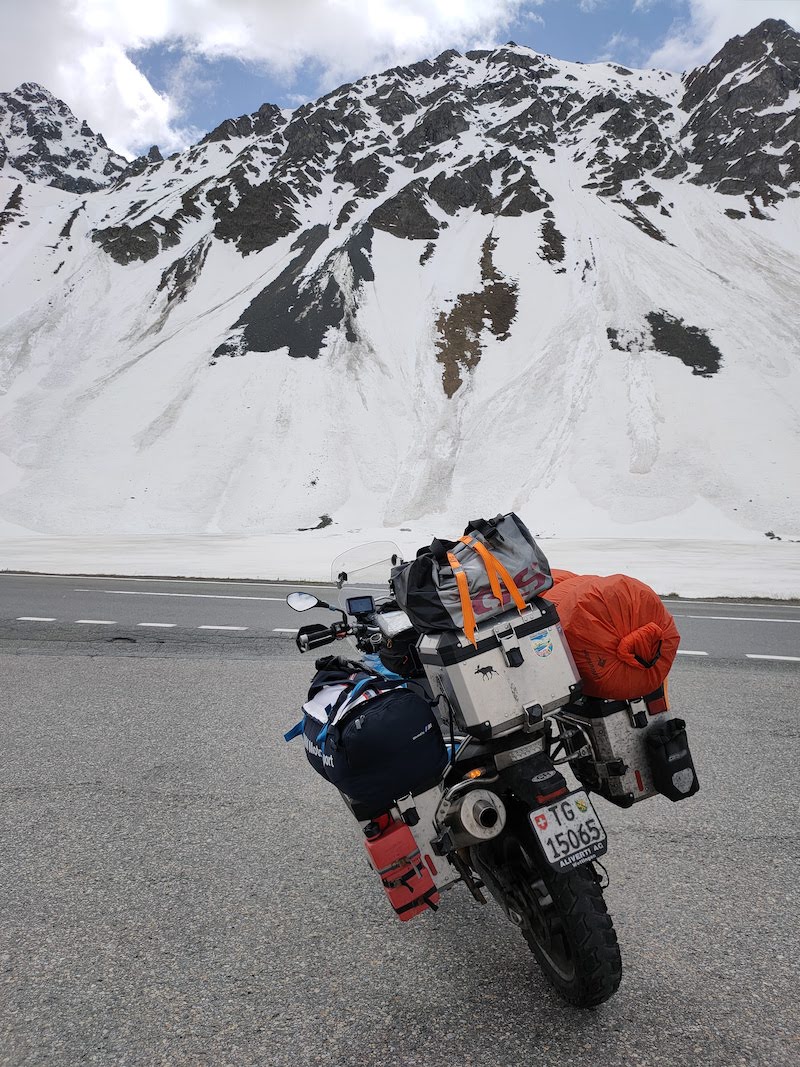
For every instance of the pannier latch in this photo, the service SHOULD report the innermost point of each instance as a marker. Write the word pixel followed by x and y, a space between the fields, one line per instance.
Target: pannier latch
pixel 408 810
pixel 509 644
pixel 637 716
pixel 533 716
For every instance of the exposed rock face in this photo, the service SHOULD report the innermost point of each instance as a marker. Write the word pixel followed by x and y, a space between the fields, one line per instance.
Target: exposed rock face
pixel 745 114
pixel 368 174
pixel 439 124
pixel 690 344
pixel 42 140
pixel 126 243
pixel 459 347
pixel 405 214
pixel 392 103
pixel 263 215
pixel 670 336
pixel 295 312
pixel 181 275
pixel 552 247
pixel 12 212
pixel 261 123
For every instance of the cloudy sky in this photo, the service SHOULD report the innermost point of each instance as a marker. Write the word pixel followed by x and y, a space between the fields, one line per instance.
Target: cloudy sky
pixel 164 72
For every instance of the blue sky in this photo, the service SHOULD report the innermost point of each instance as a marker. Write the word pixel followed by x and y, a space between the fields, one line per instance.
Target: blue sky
pixel 164 72
pixel 592 31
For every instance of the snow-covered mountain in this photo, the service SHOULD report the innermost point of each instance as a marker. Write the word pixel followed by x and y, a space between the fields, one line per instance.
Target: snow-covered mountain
pixel 42 141
pixel 485 281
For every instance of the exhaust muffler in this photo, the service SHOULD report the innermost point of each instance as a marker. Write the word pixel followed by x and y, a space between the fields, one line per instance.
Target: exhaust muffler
pixel 476 816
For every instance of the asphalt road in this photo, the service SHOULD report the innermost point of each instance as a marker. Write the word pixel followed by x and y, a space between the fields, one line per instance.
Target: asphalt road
pixel 43 606
pixel 178 887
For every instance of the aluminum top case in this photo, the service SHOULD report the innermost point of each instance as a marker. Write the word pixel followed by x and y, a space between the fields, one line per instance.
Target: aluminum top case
pixel 520 669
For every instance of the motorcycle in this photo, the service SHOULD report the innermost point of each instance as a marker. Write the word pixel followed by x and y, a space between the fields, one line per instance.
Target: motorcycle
pixel 503 819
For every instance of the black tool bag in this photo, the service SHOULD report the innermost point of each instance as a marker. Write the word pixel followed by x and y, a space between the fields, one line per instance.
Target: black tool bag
pixel 384 749
pixel 400 655
pixel 671 761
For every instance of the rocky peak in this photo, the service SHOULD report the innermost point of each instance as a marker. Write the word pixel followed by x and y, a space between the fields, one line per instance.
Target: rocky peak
pixel 764 63
pixel 44 142
pixel 744 108
pixel 260 123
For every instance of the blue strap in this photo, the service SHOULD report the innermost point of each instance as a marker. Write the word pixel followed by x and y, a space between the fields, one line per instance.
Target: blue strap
pixel 344 701
pixel 347 697
pixel 359 687
pixel 295 731
pixel 373 661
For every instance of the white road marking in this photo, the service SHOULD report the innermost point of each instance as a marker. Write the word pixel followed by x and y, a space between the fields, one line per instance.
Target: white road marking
pixel 33 618
pixel 96 622
pixel 786 659
pixel 195 596
pixel 734 618
pixel 163 625
pixel 732 603
pixel 221 627
pixel 287 584
pixel 687 652
pixel 284 630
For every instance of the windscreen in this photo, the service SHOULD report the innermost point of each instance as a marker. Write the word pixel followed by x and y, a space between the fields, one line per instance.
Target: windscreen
pixel 365 571
pixel 367 568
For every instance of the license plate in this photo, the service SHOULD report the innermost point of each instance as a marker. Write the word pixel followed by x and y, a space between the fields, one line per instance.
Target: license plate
pixel 569 831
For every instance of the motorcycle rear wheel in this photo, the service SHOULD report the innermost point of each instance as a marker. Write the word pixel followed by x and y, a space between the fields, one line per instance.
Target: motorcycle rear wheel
pixel 567 926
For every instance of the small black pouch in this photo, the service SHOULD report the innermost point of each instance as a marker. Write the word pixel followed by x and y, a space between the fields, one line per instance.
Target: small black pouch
pixel 671 760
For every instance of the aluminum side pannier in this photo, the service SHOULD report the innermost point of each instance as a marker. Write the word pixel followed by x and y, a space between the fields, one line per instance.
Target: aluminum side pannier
pixel 638 749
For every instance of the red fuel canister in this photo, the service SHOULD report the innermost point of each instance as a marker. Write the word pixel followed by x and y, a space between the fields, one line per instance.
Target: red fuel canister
pixel 406 880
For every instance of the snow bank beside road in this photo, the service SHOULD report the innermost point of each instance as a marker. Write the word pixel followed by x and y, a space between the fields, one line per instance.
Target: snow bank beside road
pixel 688 568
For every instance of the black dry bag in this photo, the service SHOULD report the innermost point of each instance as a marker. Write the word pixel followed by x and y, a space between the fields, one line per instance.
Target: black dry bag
pixel 671 763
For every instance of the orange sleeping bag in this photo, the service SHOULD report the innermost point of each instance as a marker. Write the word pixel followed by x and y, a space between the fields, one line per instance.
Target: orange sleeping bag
pixel 622 637
pixel 561 576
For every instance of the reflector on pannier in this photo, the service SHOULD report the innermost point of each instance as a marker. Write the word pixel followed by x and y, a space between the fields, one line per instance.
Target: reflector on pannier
pixel 622 637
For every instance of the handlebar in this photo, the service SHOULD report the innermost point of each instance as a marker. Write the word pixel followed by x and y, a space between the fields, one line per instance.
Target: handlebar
pixel 316 635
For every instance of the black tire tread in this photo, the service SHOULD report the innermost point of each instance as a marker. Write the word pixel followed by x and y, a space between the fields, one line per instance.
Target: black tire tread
pixel 578 899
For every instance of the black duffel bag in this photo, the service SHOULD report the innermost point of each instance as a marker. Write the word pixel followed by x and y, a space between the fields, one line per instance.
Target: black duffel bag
pixel 384 749
pixel 456 585
pixel 373 750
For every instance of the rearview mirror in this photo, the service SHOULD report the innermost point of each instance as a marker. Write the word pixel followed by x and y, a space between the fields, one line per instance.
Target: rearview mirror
pixel 301 601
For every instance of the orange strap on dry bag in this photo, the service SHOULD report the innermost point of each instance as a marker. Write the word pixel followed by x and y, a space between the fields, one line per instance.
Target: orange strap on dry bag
pixel 466 602
pixel 494 568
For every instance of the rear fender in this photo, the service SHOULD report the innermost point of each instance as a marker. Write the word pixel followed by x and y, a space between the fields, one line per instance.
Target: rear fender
pixel 534 781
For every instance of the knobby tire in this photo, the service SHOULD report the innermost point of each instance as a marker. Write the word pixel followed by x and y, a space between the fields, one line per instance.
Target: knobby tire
pixel 579 913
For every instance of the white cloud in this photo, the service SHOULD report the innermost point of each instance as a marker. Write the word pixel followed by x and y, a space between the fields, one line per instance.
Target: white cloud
pixel 711 23
pixel 621 46
pixel 587 6
pixel 80 49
